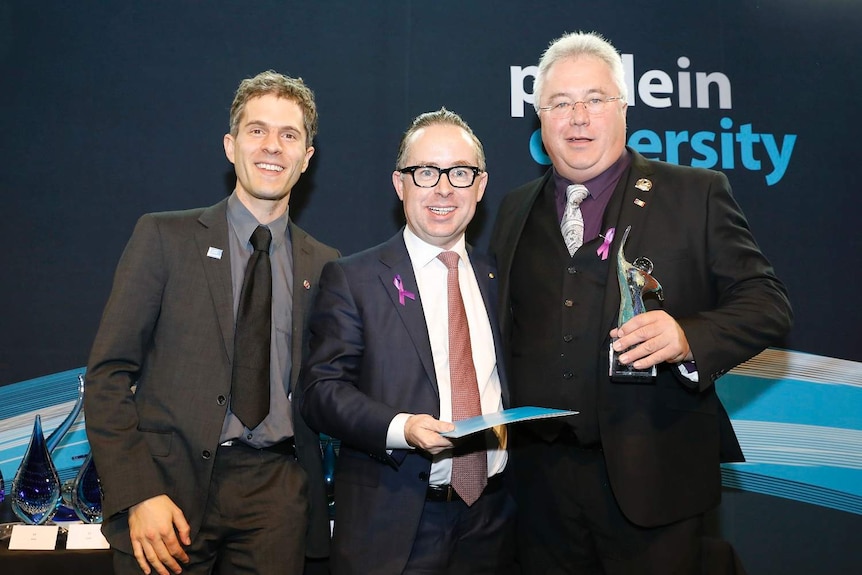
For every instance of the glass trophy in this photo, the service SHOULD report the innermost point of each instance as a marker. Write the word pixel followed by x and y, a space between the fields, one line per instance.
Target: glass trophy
pixel 58 434
pixel 87 493
pixel 635 281
pixel 329 457
pixel 35 490
pixel 65 511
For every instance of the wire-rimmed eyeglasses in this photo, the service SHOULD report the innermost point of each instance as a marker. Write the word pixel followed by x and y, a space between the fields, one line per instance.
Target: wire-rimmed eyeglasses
pixel 593 106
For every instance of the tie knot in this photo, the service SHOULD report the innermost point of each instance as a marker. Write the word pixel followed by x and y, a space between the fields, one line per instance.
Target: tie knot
pixel 450 259
pixel 261 237
pixel 576 193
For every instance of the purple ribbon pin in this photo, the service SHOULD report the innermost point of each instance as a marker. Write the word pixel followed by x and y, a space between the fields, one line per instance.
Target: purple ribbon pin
pixel 402 293
pixel 605 248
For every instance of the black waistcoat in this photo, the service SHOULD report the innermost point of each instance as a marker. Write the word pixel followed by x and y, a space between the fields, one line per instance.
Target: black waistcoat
pixel 558 332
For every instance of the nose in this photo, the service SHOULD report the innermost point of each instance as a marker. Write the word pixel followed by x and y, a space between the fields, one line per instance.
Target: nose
pixel 444 186
pixel 580 116
pixel 272 143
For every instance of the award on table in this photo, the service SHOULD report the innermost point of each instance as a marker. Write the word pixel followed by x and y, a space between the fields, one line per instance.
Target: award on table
pixel 635 281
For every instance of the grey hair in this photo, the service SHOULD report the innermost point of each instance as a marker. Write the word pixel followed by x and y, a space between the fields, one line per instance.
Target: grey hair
pixel 577 44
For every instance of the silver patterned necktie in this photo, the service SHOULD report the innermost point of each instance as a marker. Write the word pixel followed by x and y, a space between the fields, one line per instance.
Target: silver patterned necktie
pixel 572 224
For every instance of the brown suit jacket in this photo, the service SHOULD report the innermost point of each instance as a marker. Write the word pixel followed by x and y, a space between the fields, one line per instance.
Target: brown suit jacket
pixel 168 330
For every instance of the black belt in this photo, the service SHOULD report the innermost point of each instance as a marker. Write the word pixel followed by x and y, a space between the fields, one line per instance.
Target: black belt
pixel 447 492
pixel 286 447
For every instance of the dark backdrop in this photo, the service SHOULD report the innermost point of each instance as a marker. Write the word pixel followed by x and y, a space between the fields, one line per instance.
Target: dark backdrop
pixel 112 109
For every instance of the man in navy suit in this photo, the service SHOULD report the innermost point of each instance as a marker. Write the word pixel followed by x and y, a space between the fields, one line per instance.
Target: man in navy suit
pixel 623 486
pixel 378 376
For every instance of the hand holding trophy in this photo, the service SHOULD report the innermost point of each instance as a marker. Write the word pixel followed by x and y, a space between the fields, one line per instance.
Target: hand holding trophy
pixel 635 281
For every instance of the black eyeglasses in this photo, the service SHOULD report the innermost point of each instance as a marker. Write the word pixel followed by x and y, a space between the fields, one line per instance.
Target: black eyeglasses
pixel 429 176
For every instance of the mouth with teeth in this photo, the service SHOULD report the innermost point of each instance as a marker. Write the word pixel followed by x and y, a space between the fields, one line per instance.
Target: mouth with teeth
pixel 441 211
pixel 269 167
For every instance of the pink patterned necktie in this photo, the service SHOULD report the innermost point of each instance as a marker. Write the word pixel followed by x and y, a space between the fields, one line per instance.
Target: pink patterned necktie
pixel 572 225
pixel 469 470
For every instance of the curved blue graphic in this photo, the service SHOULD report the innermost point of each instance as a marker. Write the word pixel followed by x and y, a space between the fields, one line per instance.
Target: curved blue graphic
pixel 797 417
pixel 798 420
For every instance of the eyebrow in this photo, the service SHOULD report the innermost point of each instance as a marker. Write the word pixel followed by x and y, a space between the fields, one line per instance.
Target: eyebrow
pixel 261 123
pixel 586 92
pixel 454 164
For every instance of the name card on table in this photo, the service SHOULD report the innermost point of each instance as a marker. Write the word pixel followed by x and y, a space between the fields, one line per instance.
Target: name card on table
pixel 34 537
pixel 86 536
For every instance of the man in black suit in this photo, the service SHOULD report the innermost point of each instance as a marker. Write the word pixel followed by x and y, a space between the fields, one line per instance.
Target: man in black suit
pixel 623 486
pixel 187 484
pixel 380 376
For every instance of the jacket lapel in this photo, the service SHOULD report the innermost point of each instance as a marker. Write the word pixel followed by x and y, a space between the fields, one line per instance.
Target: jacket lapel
pixel 303 289
pixel 211 237
pixel 486 277
pixel 630 206
pixel 397 264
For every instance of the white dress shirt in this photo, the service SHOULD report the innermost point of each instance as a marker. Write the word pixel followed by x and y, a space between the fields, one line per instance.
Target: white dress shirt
pixel 431 279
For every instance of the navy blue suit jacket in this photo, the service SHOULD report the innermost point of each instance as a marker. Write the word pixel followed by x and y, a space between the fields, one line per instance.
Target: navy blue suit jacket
pixel 371 359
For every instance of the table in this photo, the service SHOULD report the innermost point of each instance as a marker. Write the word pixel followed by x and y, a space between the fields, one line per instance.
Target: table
pixel 57 562
pixel 61 561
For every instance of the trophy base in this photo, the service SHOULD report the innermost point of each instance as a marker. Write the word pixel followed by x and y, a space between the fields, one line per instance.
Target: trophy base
pixel 622 373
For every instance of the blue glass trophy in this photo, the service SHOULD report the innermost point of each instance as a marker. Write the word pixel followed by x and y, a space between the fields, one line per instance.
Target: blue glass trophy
pixel 87 493
pixel 35 490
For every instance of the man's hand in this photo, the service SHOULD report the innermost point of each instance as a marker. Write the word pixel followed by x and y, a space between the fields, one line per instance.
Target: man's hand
pixel 154 525
pixel 657 338
pixel 423 432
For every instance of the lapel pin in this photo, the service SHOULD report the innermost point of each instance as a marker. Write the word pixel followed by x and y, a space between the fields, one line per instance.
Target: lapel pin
pixel 639 202
pixel 305 284
pixel 643 185
pixel 214 253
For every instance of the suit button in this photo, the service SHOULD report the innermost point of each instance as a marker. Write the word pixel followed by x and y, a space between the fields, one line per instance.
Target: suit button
pixel 571 270
pixel 568 303
pixel 423 476
pixel 206 454
pixel 568 337
pixel 221 400
pixel 568 375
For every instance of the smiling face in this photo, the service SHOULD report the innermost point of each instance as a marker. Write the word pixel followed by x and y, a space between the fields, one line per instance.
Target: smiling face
pixel 439 215
pixel 269 153
pixel 582 146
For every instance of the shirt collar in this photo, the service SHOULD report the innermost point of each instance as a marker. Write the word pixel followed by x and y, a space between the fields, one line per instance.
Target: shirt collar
pixel 602 184
pixel 422 253
pixel 244 223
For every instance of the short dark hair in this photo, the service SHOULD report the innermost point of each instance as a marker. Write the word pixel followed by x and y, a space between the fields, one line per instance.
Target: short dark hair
pixel 441 116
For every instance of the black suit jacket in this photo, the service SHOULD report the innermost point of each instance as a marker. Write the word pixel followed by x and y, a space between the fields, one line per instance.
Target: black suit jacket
pixel 370 360
pixel 168 329
pixel 663 442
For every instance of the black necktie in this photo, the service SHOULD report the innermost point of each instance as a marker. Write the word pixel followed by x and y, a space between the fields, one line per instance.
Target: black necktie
pixel 249 390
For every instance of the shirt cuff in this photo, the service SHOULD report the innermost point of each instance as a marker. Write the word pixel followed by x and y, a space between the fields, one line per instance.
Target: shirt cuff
pixel 395 435
pixel 688 369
